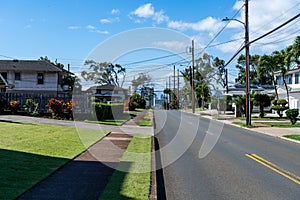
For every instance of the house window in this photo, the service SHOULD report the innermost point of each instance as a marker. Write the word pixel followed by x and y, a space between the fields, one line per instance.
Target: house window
pixel 288 79
pixel 98 91
pixel 17 76
pixel 279 80
pixel 40 78
pixel 297 78
pixel 4 75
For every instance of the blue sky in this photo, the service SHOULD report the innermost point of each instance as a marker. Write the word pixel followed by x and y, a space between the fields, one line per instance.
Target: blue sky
pixel 70 30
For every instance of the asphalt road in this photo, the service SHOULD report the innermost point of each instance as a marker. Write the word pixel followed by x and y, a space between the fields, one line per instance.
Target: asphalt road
pixel 242 164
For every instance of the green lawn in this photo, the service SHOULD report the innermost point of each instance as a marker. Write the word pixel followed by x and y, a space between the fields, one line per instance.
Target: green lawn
pixel 114 122
pixel 136 183
pixel 281 124
pixel 265 118
pixel 294 137
pixel 31 152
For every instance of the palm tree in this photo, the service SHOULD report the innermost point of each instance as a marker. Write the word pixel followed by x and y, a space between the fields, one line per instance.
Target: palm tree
pixel 283 60
pixel 296 50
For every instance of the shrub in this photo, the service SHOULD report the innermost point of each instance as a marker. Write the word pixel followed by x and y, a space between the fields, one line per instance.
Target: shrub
pixel 292 115
pixel 108 111
pixel 279 105
pixel 68 108
pixel 31 107
pixel 14 106
pixel 136 101
pixel 56 107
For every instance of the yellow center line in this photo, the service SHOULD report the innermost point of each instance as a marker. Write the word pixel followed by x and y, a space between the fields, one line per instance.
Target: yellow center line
pixel 277 167
pixel 274 167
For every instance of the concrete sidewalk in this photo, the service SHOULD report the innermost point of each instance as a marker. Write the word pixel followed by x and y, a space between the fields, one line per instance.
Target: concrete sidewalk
pixel 86 176
pixel 272 131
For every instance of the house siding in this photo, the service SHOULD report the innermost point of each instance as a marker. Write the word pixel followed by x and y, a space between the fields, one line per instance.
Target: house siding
pixel 29 82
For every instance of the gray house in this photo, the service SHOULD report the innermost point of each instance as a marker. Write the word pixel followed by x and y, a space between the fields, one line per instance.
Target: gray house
pixel 30 76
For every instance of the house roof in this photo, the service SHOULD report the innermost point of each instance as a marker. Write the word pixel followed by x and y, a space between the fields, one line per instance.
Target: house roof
pixel 106 87
pixel 28 65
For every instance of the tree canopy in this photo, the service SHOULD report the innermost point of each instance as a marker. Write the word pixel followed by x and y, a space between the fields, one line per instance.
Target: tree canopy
pixel 104 73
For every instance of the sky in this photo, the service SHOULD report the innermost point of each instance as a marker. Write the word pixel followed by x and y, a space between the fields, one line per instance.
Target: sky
pixel 133 32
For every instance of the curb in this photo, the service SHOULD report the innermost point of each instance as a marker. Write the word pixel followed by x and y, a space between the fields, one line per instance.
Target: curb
pixel 153 189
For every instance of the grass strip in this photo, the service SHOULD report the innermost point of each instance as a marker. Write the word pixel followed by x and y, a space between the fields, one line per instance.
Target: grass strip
pixel 108 122
pixel 132 185
pixel 265 118
pixel 281 124
pixel 243 124
pixel 294 137
pixel 147 120
pixel 31 152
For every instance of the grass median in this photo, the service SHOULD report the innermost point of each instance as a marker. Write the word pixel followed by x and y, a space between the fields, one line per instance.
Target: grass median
pixel 31 152
pixel 132 185
pixel 293 137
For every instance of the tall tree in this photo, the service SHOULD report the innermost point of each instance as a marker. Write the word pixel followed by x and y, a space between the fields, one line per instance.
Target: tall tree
pixel 104 73
pixel 266 69
pixel 282 59
pixel 241 66
pixel 57 64
pixel 142 80
pixel 296 50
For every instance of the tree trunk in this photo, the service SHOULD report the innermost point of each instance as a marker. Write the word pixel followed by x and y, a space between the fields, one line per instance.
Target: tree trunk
pixel 261 114
pixel 287 93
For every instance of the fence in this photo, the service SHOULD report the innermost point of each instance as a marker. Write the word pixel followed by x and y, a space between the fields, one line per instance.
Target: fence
pixel 41 99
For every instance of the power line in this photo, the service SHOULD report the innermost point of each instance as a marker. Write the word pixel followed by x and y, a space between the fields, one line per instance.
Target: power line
pixel 264 35
pixel 152 59
pixel 220 31
pixel 288 10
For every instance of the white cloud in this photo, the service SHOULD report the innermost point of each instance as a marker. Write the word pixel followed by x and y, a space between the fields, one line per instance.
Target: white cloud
pixel 101 32
pixel 147 11
pixel 115 11
pixel 109 20
pixel 74 27
pixel 265 16
pixel 175 45
pixel 144 11
pixel 90 27
pixel 105 21
pixel 207 24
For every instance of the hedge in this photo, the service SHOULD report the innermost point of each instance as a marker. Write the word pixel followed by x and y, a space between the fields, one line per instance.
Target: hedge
pixel 107 111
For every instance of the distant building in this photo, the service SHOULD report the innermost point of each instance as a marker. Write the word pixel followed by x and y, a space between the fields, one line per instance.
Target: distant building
pixel 30 76
pixel 108 93
pixel 292 79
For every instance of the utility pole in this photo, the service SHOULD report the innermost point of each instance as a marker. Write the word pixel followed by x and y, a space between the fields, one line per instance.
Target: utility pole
pixel 174 88
pixel 178 87
pixel 166 97
pixel 248 104
pixel 193 67
pixel 226 80
pixel 170 98
pixel 174 82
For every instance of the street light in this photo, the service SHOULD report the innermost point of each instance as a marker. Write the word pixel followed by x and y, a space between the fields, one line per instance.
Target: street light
pixel 246 26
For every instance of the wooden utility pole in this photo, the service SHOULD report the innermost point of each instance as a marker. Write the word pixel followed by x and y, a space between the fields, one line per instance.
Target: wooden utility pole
pixel 178 87
pixel 248 104
pixel 193 67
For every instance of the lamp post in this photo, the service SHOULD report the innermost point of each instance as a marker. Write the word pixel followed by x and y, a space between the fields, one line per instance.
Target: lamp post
pixel 246 26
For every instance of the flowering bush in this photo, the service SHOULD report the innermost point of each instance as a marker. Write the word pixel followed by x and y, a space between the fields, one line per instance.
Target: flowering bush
pixel 68 106
pixel 56 107
pixel 14 106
